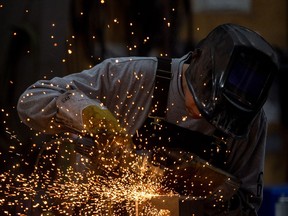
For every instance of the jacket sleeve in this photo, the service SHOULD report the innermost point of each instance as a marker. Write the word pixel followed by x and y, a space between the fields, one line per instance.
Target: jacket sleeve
pixel 246 162
pixel 54 112
pixel 122 85
pixel 54 106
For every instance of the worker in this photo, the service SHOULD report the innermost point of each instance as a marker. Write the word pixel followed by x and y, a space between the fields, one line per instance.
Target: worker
pixel 207 103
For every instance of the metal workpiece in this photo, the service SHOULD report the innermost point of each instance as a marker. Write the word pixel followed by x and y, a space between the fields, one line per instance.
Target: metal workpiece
pixel 173 205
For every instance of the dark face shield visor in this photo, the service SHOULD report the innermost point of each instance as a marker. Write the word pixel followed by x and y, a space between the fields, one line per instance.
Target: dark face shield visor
pixel 248 79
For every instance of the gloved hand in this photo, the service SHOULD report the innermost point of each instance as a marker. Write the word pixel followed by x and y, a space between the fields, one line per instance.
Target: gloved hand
pixel 112 151
pixel 113 147
pixel 98 120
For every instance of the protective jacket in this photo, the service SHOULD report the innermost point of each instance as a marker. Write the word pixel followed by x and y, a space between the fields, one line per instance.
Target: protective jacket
pixel 125 86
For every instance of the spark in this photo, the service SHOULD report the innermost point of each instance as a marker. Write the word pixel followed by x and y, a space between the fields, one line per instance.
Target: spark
pixel 95 193
pixel 57 184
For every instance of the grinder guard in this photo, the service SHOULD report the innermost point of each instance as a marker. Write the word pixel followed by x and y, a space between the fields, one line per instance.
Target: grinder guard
pixel 189 175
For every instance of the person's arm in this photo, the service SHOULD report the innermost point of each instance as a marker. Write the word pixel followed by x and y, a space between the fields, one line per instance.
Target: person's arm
pixel 56 105
pixel 89 103
pixel 122 85
pixel 246 162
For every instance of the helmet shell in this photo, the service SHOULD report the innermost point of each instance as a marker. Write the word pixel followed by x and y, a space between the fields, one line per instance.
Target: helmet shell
pixel 231 76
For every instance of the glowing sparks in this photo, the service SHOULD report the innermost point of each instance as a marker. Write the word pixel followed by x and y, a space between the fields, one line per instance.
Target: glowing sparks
pixel 65 181
pixel 146 40
pixel 184 118
pixel 71 189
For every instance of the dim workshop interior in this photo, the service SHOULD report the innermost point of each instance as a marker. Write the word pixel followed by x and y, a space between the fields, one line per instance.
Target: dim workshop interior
pixel 41 174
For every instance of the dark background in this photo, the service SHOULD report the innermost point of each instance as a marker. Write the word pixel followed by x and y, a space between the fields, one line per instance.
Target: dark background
pixel 40 39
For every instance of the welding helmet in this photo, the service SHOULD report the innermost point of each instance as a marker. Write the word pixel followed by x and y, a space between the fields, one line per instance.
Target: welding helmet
pixel 230 74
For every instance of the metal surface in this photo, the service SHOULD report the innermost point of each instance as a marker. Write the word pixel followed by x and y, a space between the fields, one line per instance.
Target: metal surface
pixel 173 206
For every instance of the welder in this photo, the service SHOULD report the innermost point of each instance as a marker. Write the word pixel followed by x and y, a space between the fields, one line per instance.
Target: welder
pixel 199 116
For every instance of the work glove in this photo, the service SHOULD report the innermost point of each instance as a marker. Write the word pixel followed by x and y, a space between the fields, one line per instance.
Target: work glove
pixel 97 119
pixel 110 149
